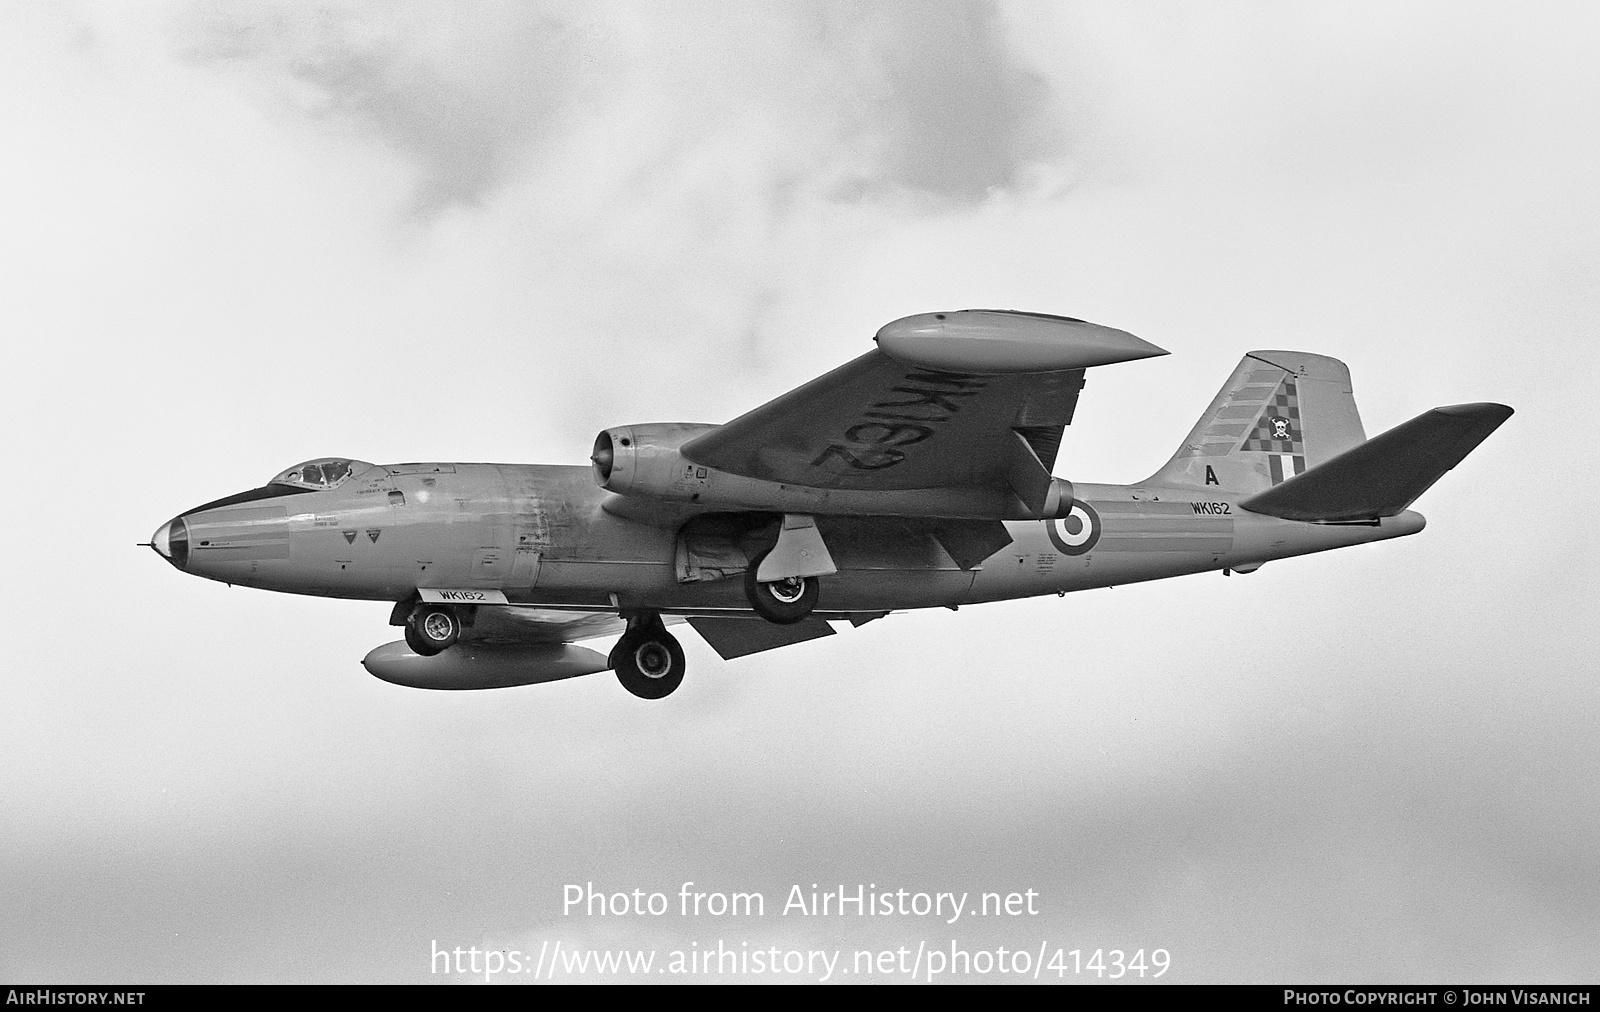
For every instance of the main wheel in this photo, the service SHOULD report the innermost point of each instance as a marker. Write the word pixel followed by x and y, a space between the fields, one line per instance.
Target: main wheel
pixel 784 602
pixel 648 662
pixel 431 630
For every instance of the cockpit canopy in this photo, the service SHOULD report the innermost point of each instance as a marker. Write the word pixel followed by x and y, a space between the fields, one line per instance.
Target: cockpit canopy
pixel 322 473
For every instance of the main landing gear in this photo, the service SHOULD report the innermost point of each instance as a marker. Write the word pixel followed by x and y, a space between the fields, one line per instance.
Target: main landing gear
pixel 648 660
pixel 784 601
pixel 432 629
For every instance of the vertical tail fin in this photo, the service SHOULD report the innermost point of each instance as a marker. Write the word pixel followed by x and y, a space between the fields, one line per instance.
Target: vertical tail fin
pixel 1280 413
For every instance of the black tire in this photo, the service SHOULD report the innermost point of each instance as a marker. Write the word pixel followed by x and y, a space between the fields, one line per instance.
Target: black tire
pixel 783 602
pixel 648 662
pixel 431 630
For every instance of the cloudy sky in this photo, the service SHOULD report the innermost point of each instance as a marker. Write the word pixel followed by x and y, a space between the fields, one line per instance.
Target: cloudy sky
pixel 233 237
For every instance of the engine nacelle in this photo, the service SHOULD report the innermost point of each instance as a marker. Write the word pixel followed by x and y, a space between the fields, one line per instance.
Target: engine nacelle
pixel 644 460
pixel 644 463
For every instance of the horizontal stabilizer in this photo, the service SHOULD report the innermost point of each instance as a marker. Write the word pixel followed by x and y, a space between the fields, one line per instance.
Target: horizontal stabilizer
pixel 1384 475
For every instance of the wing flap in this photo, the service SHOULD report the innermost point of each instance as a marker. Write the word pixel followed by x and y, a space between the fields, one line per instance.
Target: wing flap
pixel 740 637
pixel 1027 475
pixel 969 542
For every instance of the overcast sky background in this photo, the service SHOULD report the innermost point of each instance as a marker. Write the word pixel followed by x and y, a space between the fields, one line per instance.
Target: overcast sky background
pixel 233 237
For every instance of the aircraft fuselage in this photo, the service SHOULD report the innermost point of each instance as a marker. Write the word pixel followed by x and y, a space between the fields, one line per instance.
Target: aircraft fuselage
pixel 542 535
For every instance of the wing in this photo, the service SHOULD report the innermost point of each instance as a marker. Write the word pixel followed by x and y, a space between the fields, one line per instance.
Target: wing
pixel 976 399
pixel 516 624
pixel 729 637
pixel 513 624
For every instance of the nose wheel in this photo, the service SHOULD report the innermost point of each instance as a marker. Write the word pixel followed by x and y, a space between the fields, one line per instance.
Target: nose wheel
pixel 432 629
pixel 648 660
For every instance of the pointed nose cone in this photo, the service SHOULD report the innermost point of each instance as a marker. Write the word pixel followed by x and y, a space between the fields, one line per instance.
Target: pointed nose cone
pixel 171 542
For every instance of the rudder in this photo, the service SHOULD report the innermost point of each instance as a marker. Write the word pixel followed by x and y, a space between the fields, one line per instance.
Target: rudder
pixel 1279 414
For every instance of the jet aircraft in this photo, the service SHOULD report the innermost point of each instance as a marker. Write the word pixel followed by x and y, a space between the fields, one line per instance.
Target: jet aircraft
pixel 919 475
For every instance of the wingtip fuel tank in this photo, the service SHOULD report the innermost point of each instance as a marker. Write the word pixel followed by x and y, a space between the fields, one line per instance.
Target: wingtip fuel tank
pixel 993 341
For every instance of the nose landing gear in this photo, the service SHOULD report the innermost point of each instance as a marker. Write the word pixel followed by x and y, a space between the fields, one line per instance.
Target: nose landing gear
pixel 648 660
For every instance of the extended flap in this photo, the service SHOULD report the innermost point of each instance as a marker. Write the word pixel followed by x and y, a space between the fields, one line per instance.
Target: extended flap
pixel 738 637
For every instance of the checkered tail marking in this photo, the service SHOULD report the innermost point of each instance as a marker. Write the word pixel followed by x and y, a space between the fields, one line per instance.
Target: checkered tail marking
pixel 1277 432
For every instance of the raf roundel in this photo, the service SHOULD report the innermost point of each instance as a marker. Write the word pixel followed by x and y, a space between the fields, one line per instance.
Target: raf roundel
pixel 1077 532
